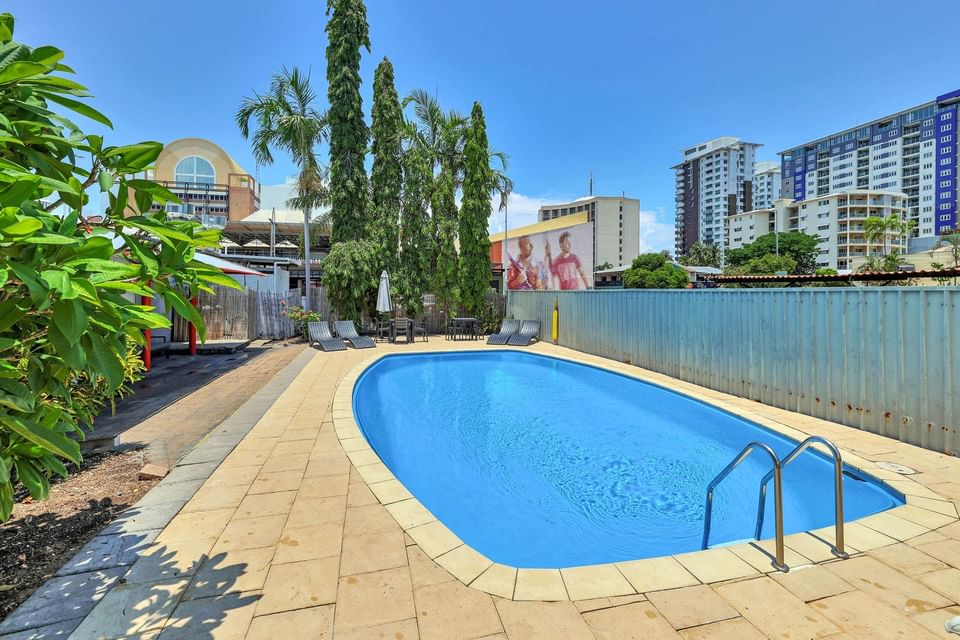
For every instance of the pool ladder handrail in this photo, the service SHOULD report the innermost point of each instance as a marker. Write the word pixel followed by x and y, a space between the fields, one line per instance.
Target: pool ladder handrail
pixel 838 548
pixel 777 497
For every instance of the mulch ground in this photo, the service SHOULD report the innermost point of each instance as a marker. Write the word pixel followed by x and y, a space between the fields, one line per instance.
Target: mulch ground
pixel 41 536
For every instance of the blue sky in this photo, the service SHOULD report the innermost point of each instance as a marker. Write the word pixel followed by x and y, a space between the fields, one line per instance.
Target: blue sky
pixel 616 88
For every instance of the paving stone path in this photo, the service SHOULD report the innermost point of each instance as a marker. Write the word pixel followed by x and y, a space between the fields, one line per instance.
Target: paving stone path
pixel 267 530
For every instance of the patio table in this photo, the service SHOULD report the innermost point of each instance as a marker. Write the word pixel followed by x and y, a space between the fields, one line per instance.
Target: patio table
pixel 464 328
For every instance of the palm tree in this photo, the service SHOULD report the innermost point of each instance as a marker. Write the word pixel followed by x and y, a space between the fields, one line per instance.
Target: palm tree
pixel 876 227
pixel 702 255
pixel 286 119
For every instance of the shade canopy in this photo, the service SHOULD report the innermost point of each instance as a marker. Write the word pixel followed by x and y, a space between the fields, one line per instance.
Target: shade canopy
pixel 384 303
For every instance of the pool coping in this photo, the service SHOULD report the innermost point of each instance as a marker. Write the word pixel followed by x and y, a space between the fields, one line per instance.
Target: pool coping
pixel 924 511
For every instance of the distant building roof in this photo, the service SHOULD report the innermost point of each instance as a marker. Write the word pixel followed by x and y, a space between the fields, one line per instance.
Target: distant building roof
pixel 548 225
pixel 281 216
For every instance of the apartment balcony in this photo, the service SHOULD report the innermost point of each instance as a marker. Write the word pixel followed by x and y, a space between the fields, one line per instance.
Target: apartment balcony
pixel 206 220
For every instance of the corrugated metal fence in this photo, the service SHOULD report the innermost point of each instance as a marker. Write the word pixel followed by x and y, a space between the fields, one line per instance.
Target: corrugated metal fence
pixel 883 359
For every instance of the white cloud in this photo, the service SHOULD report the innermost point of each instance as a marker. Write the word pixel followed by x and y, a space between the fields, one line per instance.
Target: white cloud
pixel 655 235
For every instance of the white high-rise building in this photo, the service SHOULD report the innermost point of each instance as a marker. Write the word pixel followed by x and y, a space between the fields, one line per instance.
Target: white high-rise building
pixel 836 219
pixel 914 151
pixel 766 184
pixel 713 181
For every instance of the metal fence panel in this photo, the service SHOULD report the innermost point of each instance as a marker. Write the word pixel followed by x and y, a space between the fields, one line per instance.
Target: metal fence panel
pixel 882 359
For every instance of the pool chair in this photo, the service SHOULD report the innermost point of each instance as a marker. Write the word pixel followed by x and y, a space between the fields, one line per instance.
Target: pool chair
pixel 527 334
pixel 347 331
pixel 319 332
pixel 508 329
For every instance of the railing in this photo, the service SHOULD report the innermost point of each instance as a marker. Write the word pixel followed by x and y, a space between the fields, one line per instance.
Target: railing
pixel 838 548
pixel 777 497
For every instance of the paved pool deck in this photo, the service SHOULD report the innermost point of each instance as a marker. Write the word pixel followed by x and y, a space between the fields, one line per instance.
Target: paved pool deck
pixel 283 524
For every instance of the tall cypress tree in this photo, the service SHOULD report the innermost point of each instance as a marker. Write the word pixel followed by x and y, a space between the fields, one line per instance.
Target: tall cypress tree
pixel 387 175
pixel 415 238
pixel 347 32
pixel 445 282
pixel 474 215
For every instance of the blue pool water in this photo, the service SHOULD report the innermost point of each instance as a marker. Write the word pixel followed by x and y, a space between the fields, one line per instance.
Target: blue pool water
pixel 540 462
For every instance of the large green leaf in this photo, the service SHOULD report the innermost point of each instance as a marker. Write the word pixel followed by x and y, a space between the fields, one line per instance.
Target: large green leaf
pixel 46 438
pixel 103 360
pixel 21 70
pixel 16 395
pixel 33 480
pixel 59 281
pixel 72 353
pixel 71 318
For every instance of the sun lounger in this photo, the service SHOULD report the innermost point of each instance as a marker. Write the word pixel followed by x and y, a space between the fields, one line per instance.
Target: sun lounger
pixel 319 332
pixel 347 331
pixel 509 328
pixel 527 334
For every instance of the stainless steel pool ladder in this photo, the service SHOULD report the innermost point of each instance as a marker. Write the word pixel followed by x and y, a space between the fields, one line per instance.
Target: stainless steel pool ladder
pixel 838 547
pixel 777 496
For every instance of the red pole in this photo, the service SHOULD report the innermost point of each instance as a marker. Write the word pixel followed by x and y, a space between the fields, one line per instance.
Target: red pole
pixel 193 331
pixel 147 355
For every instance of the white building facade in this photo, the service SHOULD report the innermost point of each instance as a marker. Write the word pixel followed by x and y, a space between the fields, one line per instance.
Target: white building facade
pixel 837 219
pixel 714 180
pixel 767 184
pixel 616 222
pixel 914 152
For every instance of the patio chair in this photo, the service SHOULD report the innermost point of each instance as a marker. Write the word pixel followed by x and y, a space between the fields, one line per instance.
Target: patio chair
pixel 507 329
pixel 348 331
pixel 319 332
pixel 401 327
pixel 384 330
pixel 527 334
pixel 420 329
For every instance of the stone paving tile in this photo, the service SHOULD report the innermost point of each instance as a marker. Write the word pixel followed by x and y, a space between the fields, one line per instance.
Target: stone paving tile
pixel 130 609
pixel 211 498
pixel 434 538
pixel 170 492
pixel 593 582
pixel 907 559
pixel 57 630
pixel 316 511
pixel 229 475
pixel 205 525
pixel 276 481
pixel 166 561
pixel 656 574
pixel 691 606
pixel 325 486
pixel 934 620
pixel 715 565
pixel 222 617
pixel 250 533
pixel 736 629
pixel 812 583
pixel 299 584
pixel 946 582
pixel 368 519
pixel 451 611
pixel 539 584
pixel 359 495
pixel 372 599
pixel 464 563
pixel 409 513
pixel 309 543
pixel 425 572
pixel 888 585
pixel 266 504
pixel 400 630
pixel 104 552
pixel 63 598
pixel 861 616
pixel 315 623
pixel 542 621
pixel 373 552
pixel 231 572
pixel 947 551
pixel 327 467
pixel 774 610
pixel 639 621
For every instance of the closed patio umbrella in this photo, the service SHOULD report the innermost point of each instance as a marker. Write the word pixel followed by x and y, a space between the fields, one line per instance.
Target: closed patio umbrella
pixel 384 303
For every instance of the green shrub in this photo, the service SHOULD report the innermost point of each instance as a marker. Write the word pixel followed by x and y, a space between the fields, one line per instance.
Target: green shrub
pixel 71 324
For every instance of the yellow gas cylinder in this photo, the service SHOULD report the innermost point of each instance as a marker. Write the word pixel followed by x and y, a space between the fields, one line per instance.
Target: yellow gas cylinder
pixel 556 320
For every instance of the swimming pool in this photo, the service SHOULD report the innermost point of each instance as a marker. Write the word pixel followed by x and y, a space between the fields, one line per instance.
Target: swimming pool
pixel 538 462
